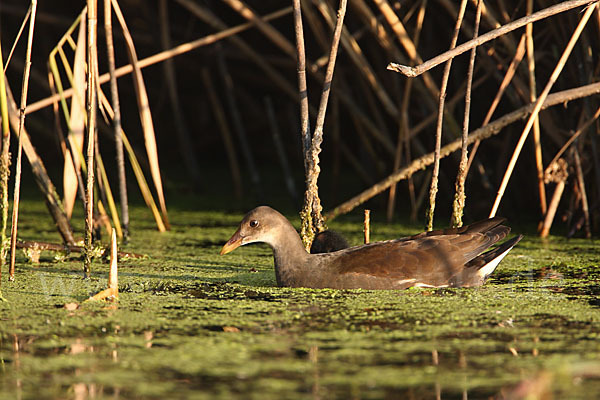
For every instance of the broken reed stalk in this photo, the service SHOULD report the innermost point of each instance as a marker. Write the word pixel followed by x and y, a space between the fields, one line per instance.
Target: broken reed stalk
pixel 302 85
pixel 538 105
pixel 112 292
pixel 557 173
pixel 367 226
pixel 114 94
pixel 503 30
pixel 438 133
pixel 113 275
pixel 459 195
pixel 17 188
pixel 91 131
pixel 510 73
pixel 312 220
pixel 482 133
pixel 539 163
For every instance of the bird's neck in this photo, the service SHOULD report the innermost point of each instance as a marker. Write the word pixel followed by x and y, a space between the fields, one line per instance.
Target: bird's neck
pixel 290 256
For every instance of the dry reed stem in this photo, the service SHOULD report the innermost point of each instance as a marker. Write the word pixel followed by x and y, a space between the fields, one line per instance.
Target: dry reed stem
pixel 75 120
pixel 538 105
pixel 302 85
pixel 4 162
pixel 427 88
pixel 425 122
pixel 503 30
pixel 42 179
pixel 145 114
pixel 536 123
pixel 106 192
pixel 488 17
pixel 162 56
pixel 403 130
pixel 459 196
pixel 342 94
pixel 225 134
pixel 433 189
pixel 358 58
pixel 17 187
pixel 482 133
pixel 367 226
pixel 410 46
pixel 137 169
pixel 66 145
pixel 510 73
pixel 5 131
pixel 21 29
pixel 116 107
pixel 113 275
pixel 312 220
pixel 91 105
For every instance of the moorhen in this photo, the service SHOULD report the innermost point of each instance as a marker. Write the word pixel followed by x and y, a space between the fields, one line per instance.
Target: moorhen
pixel 444 258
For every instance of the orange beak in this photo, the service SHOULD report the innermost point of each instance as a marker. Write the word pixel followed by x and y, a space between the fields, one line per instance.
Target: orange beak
pixel 233 243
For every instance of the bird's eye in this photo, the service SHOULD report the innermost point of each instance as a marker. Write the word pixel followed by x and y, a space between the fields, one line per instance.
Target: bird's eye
pixel 253 223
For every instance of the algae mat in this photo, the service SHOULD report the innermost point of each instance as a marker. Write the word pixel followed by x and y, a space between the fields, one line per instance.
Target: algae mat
pixel 193 324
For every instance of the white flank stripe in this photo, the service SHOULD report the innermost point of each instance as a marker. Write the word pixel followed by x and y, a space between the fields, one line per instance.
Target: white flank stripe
pixel 421 284
pixel 488 268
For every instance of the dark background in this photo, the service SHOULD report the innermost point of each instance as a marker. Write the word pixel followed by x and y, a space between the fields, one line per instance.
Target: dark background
pixel 339 180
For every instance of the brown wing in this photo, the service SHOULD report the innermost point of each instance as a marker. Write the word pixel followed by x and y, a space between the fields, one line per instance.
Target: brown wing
pixel 433 260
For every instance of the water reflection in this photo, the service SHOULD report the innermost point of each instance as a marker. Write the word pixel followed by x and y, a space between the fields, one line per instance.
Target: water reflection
pixel 17 363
